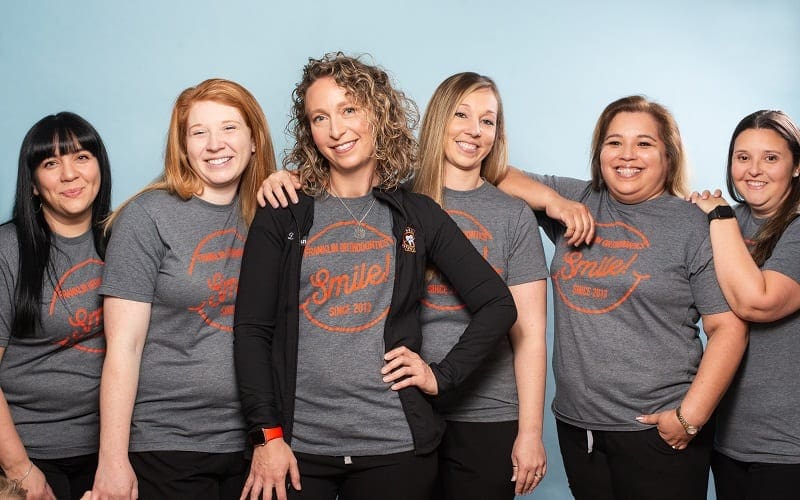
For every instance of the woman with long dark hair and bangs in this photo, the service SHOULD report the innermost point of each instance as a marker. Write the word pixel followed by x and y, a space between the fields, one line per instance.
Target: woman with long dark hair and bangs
pixel 171 423
pixel 327 332
pixel 51 316
pixel 756 247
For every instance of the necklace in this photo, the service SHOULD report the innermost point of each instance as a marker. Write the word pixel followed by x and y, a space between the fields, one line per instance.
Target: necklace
pixel 359 232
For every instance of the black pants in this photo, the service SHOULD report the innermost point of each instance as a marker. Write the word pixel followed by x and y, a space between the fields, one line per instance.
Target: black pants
pixel 475 461
pixel 399 476
pixel 189 475
pixel 634 465
pixel 69 477
pixel 735 480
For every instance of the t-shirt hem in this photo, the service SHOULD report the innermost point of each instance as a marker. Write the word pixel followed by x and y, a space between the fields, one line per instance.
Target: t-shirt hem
pixel 505 416
pixel 60 452
pixel 124 294
pixel 601 426
pixel 199 447
pixel 765 458
pixel 337 452
pixel 527 278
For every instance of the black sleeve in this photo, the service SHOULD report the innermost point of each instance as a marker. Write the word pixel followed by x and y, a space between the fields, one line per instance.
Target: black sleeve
pixel 480 288
pixel 255 319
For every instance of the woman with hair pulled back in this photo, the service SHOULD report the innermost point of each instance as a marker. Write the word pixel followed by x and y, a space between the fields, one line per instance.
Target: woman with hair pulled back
pixel 634 388
pixel 171 425
pixel 756 247
pixel 51 316
pixel 327 333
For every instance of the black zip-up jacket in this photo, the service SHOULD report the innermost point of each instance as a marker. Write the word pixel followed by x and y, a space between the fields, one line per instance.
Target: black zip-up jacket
pixel 267 308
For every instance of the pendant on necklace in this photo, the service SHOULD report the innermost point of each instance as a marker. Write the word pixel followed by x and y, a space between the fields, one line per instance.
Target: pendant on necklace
pixel 360 232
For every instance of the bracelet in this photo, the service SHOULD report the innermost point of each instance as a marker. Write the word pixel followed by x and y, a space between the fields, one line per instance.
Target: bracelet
pixel 24 476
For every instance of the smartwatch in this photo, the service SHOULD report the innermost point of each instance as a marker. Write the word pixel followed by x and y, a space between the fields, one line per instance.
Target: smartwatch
pixel 260 437
pixel 721 212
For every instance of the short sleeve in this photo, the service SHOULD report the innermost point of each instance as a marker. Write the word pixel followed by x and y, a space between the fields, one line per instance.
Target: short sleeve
pixel 133 256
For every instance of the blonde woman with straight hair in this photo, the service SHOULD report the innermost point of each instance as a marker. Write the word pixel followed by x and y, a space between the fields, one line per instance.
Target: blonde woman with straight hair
pixel 171 424
pixel 494 421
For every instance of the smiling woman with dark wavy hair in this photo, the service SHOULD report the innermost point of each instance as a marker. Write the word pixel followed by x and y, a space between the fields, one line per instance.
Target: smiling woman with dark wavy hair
pixel 756 247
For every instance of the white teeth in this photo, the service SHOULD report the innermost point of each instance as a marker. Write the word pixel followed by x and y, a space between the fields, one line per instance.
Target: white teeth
pixel 628 171
pixel 756 184
pixel 467 146
pixel 219 161
pixel 345 146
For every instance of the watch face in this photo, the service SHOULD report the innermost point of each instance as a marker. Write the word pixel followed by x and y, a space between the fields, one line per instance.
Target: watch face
pixel 722 212
pixel 256 437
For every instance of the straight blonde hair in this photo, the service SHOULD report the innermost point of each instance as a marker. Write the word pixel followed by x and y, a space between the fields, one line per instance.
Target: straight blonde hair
pixel 441 109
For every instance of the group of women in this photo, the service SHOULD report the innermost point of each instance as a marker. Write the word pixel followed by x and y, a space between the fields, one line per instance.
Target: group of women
pixel 378 329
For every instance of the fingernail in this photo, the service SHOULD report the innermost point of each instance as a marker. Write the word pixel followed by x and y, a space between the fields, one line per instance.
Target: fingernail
pixel 640 418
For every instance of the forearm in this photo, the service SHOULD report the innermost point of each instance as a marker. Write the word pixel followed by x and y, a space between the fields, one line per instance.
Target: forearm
pixel 727 340
pixel 126 324
pixel 117 395
pixel 483 292
pixel 529 343
pixel 253 364
pixel 739 277
pixel 260 305
pixel 13 457
pixel 534 193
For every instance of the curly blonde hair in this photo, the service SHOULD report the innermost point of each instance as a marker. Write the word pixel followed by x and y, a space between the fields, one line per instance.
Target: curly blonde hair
pixel 391 115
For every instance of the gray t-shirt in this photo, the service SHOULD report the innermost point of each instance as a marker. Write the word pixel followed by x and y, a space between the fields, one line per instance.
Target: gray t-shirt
pixel 758 419
pixel 626 308
pixel 504 230
pixel 183 257
pixel 51 380
pixel 342 407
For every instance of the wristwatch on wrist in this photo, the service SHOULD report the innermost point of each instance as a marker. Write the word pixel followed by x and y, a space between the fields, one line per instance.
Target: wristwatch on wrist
pixel 260 437
pixel 689 428
pixel 721 212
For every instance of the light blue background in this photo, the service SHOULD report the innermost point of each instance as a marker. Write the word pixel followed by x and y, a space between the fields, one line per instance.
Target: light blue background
pixel 121 65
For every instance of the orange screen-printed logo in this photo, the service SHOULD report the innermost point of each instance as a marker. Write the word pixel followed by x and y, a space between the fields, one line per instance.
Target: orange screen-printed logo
pixel 439 295
pixel 598 279
pixel 85 324
pixel 217 309
pixel 342 300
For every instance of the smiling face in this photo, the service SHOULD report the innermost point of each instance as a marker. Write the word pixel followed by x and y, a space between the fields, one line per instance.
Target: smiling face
pixel 67 186
pixel 219 145
pixel 633 159
pixel 340 129
pixel 762 170
pixel 471 132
